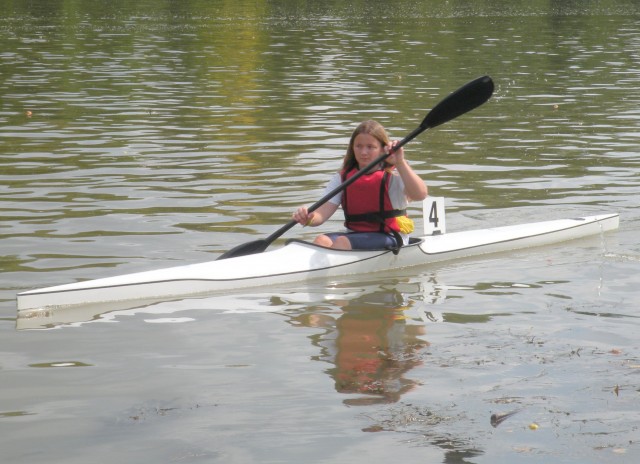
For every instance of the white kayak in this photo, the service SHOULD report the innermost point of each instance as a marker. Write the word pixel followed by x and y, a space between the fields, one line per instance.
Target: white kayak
pixel 299 261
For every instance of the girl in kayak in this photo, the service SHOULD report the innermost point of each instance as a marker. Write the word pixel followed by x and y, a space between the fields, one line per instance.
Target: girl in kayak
pixel 375 204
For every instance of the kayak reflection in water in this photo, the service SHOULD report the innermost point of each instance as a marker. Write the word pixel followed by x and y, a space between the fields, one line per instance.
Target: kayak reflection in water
pixel 375 203
pixel 370 346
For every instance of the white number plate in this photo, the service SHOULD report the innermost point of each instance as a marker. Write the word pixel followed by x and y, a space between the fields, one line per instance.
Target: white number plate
pixel 433 214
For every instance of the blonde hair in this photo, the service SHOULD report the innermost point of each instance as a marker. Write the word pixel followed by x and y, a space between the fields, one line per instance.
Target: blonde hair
pixel 369 127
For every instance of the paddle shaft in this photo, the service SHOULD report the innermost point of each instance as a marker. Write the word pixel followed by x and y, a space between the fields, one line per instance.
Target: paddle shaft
pixel 466 98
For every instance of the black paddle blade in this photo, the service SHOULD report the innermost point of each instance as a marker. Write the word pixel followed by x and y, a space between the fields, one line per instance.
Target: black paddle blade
pixel 244 249
pixel 466 98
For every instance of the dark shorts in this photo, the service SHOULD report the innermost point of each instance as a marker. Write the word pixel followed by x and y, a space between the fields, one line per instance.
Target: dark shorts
pixel 366 240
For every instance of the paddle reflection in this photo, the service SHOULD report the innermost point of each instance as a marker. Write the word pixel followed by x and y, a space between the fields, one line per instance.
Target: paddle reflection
pixel 371 346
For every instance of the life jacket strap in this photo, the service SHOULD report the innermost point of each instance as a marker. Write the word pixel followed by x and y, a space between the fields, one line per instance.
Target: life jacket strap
pixel 378 216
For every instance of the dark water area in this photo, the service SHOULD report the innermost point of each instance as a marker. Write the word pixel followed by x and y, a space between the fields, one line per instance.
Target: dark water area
pixel 140 135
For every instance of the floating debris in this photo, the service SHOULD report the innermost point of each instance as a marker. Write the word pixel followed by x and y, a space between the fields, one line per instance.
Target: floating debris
pixel 497 419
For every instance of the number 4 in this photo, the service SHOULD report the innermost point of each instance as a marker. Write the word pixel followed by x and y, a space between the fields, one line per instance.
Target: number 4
pixel 433 214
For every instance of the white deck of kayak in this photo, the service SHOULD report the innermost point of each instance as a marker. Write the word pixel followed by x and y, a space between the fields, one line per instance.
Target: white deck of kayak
pixel 297 261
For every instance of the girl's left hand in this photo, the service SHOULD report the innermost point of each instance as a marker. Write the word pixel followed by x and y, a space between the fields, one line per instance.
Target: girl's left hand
pixel 397 156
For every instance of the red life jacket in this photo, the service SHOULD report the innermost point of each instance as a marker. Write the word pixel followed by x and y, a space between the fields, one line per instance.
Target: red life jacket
pixel 366 203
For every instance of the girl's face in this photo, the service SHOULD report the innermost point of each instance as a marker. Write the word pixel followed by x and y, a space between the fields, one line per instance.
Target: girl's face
pixel 366 148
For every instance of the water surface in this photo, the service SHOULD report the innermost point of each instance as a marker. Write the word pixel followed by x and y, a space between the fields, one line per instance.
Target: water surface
pixel 138 136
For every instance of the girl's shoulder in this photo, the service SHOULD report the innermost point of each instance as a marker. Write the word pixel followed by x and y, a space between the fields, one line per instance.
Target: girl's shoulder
pixel 394 177
pixel 336 177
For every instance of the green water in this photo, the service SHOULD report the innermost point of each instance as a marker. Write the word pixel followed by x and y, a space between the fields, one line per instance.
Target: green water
pixel 138 135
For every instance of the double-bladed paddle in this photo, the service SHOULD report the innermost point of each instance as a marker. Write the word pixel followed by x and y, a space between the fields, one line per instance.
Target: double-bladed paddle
pixel 466 98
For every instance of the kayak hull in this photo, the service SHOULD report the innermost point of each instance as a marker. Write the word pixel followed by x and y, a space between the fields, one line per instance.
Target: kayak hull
pixel 299 261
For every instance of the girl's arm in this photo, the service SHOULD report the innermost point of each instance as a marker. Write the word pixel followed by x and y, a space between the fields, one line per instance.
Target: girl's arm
pixel 414 187
pixel 316 218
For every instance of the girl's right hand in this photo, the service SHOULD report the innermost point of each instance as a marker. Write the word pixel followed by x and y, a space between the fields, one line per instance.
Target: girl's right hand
pixel 303 217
